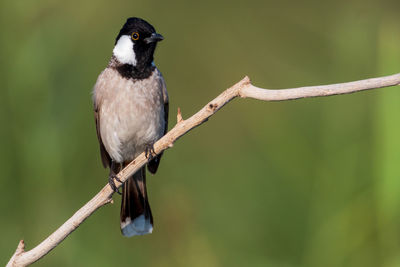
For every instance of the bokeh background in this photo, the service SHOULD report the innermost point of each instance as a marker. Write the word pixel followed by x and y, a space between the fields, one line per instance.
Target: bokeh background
pixel 313 182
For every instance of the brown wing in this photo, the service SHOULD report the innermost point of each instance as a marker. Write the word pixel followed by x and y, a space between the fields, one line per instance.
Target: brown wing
pixel 105 157
pixel 152 166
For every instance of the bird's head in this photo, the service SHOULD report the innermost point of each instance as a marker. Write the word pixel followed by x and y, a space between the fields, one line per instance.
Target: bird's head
pixel 136 42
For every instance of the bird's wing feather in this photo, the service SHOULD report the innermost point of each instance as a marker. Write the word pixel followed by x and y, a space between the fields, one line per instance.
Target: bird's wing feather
pixel 105 157
pixel 152 166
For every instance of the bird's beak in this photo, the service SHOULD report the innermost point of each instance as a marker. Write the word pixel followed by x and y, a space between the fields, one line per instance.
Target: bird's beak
pixel 155 37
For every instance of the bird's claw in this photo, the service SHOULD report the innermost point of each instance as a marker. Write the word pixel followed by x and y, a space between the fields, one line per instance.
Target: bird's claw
pixel 149 151
pixel 111 181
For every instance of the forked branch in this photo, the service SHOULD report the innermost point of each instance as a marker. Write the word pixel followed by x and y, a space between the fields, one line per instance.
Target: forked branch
pixel 242 89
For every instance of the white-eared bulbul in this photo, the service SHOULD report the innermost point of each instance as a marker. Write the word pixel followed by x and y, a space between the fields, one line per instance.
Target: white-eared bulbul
pixel 131 114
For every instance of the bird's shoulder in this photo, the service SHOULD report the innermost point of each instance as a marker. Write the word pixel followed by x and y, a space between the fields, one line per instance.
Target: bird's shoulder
pixel 107 79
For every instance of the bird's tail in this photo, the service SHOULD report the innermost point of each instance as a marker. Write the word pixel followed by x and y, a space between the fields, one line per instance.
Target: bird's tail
pixel 136 218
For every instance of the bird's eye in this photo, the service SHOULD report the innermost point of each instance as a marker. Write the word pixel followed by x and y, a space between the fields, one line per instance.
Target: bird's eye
pixel 135 36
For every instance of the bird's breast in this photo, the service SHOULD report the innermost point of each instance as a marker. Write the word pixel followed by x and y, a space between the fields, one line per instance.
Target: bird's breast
pixel 131 115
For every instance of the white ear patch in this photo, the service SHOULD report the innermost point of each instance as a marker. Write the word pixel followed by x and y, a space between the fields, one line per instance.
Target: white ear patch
pixel 123 50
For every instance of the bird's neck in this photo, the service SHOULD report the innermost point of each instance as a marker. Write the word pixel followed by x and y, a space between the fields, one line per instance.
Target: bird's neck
pixel 128 71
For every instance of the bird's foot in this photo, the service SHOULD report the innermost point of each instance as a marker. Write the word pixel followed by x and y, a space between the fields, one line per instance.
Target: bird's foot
pixel 111 181
pixel 149 151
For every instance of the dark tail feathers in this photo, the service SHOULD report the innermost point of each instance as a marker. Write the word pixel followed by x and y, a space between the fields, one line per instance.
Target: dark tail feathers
pixel 136 218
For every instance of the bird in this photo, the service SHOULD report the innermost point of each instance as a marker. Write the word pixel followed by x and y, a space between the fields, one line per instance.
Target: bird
pixel 130 103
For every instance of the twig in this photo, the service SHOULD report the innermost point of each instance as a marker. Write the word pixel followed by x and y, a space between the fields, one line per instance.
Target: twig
pixel 179 116
pixel 242 89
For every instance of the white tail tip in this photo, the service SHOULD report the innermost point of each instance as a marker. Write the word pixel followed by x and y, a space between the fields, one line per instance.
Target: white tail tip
pixel 139 226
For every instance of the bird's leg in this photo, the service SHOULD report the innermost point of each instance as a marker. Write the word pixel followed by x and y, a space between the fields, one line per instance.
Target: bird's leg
pixel 114 169
pixel 149 151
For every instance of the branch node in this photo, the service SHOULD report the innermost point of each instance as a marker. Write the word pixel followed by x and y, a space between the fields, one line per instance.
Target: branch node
pixel 18 253
pixel 212 107
pixel 246 80
pixel 244 83
pixel 179 116
pixel 21 247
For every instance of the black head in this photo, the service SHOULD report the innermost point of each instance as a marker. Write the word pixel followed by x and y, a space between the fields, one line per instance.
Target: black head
pixel 135 43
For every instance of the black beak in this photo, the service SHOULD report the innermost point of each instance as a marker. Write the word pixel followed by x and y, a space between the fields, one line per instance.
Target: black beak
pixel 155 37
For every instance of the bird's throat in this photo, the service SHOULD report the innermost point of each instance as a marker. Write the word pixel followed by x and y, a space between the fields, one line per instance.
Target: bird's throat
pixel 138 72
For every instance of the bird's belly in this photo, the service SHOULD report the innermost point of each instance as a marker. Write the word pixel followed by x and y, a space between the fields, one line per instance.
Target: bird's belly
pixel 138 130
pixel 130 122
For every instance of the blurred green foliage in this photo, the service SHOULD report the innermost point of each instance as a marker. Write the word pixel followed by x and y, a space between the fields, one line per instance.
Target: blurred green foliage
pixel 313 182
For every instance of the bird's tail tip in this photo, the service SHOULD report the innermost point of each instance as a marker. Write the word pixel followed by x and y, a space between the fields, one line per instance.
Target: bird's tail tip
pixel 139 226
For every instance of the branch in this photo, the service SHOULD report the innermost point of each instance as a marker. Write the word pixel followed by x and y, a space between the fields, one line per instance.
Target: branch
pixel 243 89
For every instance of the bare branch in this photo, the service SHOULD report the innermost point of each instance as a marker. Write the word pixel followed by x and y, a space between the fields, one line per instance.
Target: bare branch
pixel 243 89
pixel 320 90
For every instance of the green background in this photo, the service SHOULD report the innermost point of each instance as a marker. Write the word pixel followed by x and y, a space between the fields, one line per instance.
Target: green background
pixel 312 182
